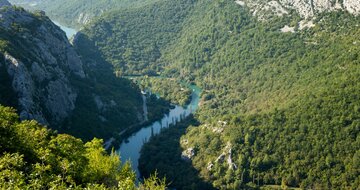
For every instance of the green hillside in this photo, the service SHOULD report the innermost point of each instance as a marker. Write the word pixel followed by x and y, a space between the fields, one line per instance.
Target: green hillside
pixel 286 104
pixel 133 40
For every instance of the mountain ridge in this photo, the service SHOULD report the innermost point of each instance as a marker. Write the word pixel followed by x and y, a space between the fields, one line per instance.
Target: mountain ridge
pixel 305 8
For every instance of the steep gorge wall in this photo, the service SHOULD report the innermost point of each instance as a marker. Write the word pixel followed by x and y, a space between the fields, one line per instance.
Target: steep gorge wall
pixel 58 84
pixel 39 61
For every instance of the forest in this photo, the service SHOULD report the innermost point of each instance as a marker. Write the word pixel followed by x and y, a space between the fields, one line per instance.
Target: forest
pixel 35 157
pixel 279 110
pixel 169 89
pixel 131 41
pixel 286 104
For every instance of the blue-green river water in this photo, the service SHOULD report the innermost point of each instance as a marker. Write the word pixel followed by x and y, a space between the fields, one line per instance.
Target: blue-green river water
pixel 130 149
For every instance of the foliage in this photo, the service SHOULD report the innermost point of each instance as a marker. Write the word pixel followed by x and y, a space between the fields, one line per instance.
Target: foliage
pixel 101 81
pixel 34 157
pixel 153 183
pixel 121 38
pixel 300 89
pixel 167 88
pixel 163 155
pixel 286 103
pixel 37 158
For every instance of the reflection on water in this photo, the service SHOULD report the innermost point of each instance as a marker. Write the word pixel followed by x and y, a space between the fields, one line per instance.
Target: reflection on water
pixel 130 150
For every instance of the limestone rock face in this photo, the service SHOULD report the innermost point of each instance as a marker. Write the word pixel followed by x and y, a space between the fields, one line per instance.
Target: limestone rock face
pixel 41 66
pixel 352 6
pixel 305 8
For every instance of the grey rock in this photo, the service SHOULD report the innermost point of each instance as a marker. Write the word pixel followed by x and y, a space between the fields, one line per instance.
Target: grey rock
pixel 24 87
pixel 60 100
pixel 188 154
pixel 227 153
pixel 42 83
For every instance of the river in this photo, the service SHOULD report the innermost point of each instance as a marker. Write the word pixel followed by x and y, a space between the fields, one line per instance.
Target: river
pixel 70 32
pixel 130 149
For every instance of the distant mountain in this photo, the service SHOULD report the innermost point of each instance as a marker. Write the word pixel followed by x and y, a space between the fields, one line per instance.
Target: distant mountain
pixel 76 13
pixel 45 78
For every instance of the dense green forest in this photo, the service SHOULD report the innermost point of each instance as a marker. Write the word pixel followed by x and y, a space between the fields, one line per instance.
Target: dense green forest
pixel 132 39
pixel 278 109
pixel 170 89
pixel 34 157
pixel 285 104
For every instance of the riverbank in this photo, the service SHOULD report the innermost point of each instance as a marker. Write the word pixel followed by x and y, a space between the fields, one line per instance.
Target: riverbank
pixel 170 89
pixel 130 148
pixel 156 108
pixel 164 154
pixel 154 104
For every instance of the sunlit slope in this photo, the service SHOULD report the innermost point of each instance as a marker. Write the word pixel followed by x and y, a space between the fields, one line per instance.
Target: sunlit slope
pixel 290 101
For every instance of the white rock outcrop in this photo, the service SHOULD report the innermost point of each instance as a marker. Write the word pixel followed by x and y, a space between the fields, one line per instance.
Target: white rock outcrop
pixel 305 8
pixel 226 155
pixel 287 28
pixel 352 6
pixel 306 24
pixel 188 154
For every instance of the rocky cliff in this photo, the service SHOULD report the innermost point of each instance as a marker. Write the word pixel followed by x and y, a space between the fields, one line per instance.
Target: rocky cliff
pixel 305 8
pixel 53 85
pixel 40 71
